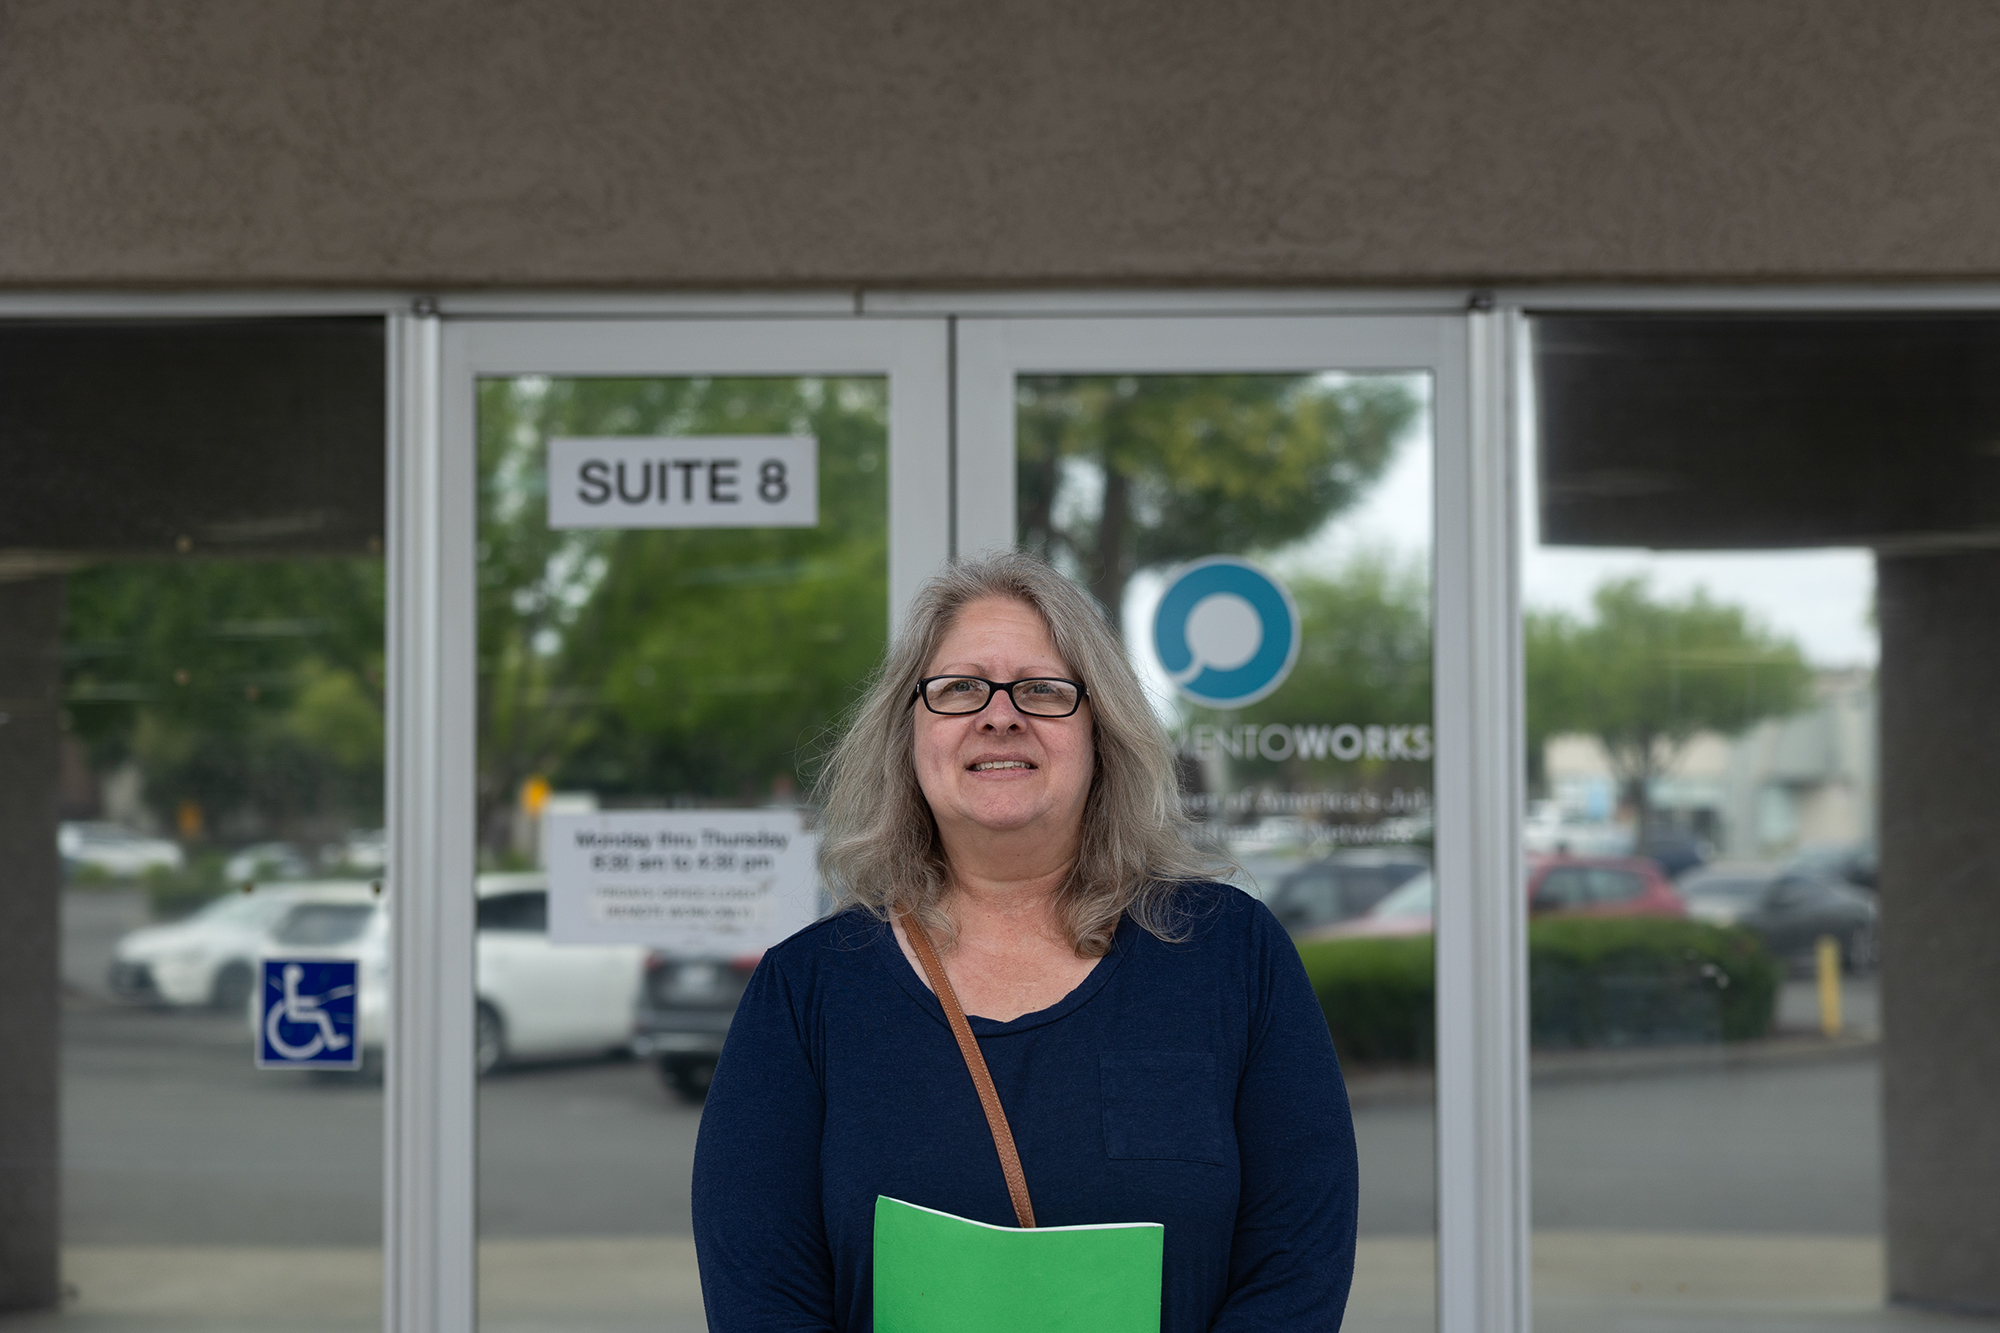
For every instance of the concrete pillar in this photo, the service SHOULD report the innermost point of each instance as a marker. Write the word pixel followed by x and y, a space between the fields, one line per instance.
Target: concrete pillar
pixel 30 902
pixel 1940 885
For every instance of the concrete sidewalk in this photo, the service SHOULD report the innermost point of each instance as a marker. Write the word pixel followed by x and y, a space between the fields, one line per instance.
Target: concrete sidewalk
pixel 526 1286
pixel 1661 1282
pixel 1585 1282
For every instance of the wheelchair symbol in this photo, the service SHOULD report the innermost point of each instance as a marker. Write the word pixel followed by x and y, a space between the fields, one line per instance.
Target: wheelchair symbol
pixel 305 1027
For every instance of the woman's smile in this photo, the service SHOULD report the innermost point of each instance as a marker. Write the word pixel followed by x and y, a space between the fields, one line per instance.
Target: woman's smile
pixel 1001 766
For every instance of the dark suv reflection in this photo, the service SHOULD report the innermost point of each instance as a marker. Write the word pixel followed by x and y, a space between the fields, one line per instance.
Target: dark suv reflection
pixel 1343 886
pixel 1789 910
pixel 685 1005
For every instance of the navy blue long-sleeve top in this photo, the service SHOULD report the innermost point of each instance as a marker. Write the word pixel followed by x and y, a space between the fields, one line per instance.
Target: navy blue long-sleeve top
pixel 1192 1084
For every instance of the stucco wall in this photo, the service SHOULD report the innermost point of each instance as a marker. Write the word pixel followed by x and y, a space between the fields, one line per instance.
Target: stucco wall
pixel 31 612
pixel 751 142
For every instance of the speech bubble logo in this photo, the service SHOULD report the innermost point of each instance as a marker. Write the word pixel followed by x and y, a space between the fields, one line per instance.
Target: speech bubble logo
pixel 1226 632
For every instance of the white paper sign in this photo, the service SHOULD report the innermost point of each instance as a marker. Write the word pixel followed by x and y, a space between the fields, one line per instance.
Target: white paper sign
pixel 685 481
pixel 697 883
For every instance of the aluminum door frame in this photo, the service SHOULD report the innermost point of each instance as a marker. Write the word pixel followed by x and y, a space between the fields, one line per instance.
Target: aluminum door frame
pixel 1485 1228
pixel 1482 1144
pixel 430 1241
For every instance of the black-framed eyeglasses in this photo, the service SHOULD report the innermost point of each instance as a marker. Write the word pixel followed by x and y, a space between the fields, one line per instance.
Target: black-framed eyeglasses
pixel 1037 696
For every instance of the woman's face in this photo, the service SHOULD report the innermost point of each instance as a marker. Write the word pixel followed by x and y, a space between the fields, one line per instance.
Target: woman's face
pixel 1000 770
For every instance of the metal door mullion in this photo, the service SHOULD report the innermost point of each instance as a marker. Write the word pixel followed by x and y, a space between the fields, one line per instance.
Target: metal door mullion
pixel 428 1157
pixel 1482 1131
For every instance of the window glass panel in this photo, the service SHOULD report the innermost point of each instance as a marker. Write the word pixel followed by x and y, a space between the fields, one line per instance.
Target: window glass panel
pixel 1711 653
pixel 638 669
pixel 191 744
pixel 1311 777
pixel 222 775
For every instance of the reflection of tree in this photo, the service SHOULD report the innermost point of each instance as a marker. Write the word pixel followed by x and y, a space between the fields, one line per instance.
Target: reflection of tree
pixel 1364 658
pixel 673 664
pixel 249 690
pixel 1121 473
pixel 1643 675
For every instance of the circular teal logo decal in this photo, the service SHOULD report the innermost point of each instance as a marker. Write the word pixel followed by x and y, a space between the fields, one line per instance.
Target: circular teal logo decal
pixel 1226 632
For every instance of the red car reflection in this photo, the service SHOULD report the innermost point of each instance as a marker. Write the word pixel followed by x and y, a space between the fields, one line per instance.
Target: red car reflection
pixel 1557 885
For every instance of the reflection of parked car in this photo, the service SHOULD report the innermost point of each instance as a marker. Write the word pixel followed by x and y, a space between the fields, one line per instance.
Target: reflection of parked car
pixel 537 1000
pixel 685 1006
pixel 268 861
pixel 1789 911
pixel 208 958
pixel 1851 862
pixel 1557 885
pixel 362 851
pixel 113 849
pixel 1675 851
pixel 1407 911
pixel 1343 886
pixel 1601 886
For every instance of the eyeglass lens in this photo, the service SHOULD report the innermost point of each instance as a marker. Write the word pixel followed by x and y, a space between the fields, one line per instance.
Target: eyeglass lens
pixel 969 694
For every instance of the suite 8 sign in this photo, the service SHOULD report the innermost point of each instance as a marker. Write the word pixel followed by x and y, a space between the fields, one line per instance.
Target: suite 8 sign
pixel 684 481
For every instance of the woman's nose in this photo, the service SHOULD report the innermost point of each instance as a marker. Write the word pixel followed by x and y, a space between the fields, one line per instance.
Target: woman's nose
pixel 1000 713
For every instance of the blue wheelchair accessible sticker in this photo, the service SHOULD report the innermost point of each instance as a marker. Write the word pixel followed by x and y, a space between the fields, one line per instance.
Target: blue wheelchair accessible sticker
pixel 1226 632
pixel 305 1014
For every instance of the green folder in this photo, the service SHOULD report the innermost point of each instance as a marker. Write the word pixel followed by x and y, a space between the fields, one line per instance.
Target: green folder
pixel 936 1273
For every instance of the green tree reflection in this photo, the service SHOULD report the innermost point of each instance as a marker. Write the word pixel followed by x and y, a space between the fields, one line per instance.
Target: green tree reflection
pixel 248 693
pixel 1645 673
pixel 664 665
pixel 1118 473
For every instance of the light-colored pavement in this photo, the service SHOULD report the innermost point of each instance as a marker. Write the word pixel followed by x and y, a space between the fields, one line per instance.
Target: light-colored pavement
pixel 580 1285
pixel 1585 1282
pixel 1605 1281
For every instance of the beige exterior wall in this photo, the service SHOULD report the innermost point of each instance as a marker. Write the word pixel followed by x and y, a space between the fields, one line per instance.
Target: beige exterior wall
pixel 729 143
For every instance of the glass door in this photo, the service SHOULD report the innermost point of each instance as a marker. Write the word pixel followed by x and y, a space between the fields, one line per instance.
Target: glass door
pixel 666 554
pixel 691 540
pixel 1252 502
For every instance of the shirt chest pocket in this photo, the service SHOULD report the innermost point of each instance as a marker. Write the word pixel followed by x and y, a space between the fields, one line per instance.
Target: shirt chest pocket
pixel 1161 1105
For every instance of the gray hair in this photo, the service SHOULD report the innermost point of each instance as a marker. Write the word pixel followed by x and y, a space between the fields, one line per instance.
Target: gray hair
pixel 879 848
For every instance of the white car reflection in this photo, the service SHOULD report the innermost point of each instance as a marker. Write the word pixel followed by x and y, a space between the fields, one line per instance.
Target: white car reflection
pixel 537 1000
pixel 268 861
pixel 208 958
pixel 113 849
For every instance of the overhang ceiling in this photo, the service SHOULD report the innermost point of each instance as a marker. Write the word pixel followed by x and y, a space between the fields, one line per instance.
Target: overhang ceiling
pixel 1742 432
pixel 239 438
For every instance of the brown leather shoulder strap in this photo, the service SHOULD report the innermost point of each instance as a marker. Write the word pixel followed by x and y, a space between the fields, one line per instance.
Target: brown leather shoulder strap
pixel 975 1063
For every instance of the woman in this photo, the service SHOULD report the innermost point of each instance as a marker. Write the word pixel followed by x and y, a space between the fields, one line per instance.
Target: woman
pixel 1154 1042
